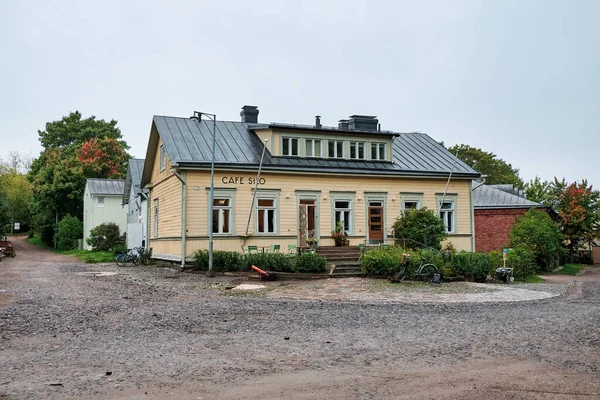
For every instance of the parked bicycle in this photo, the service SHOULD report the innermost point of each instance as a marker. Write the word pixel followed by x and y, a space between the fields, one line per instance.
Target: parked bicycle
pixel 132 257
pixel 425 272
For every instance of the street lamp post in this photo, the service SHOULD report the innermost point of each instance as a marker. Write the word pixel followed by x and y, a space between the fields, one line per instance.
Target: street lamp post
pixel 211 195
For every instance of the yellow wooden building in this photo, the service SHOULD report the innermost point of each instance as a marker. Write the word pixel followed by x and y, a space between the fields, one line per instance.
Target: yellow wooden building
pixel 311 178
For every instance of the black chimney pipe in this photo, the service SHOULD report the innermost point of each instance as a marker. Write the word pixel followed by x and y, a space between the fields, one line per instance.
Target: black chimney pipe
pixel 318 121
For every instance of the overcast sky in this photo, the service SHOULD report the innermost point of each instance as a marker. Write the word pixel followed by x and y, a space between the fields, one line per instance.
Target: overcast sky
pixel 518 78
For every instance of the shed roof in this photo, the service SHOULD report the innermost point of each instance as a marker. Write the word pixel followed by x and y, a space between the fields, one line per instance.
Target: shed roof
pixel 488 196
pixel 188 143
pixel 105 187
pixel 134 178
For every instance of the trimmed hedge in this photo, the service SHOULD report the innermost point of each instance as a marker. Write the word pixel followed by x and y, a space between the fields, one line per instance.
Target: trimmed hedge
pixel 472 266
pixel 231 261
pixel 386 261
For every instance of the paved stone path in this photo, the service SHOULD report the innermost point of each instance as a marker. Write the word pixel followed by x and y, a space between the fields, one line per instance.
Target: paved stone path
pixel 369 290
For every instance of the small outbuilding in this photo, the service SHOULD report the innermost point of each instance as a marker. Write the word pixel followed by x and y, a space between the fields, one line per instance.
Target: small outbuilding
pixel 135 204
pixel 102 203
pixel 496 208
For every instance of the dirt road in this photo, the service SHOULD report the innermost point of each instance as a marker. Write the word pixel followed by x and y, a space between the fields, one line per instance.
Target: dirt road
pixel 154 333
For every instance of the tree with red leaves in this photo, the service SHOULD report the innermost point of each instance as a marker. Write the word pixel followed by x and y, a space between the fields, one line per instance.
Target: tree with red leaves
pixel 102 158
pixel 578 209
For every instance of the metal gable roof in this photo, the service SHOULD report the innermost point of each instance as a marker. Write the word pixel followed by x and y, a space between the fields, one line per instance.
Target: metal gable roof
pixel 486 196
pixel 105 187
pixel 188 143
pixel 134 178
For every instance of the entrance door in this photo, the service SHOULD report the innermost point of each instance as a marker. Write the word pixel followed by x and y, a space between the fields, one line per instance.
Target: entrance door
pixel 375 222
pixel 307 220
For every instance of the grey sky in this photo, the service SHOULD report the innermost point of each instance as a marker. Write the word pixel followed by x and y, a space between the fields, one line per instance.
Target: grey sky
pixel 517 78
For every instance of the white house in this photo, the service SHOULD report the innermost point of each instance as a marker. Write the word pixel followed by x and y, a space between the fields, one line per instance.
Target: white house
pixel 102 203
pixel 135 204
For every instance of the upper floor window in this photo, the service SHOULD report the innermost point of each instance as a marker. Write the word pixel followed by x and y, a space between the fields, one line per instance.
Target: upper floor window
pixel 336 148
pixel 313 148
pixel 357 150
pixel 163 157
pixel 289 146
pixel 100 201
pixel 378 151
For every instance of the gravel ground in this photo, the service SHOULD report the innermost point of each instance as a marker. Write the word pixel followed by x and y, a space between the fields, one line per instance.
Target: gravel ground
pixel 154 333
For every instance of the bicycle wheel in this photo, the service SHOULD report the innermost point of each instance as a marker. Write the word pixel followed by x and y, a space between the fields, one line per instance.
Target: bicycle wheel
pixel 399 275
pixel 119 260
pixel 427 272
pixel 128 260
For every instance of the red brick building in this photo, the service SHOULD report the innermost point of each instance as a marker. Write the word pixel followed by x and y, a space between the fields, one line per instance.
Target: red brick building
pixel 496 208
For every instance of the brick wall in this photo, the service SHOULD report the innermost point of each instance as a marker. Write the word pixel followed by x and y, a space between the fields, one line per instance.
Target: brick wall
pixel 492 228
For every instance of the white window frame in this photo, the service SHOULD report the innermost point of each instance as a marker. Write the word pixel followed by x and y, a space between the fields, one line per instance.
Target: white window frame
pixel 447 215
pixel 268 194
pixel 335 148
pixel 381 149
pixel 343 196
pixel 221 210
pixel 356 146
pixel 162 157
pixel 155 219
pixel 312 143
pixel 221 193
pixel 100 200
pixel 289 147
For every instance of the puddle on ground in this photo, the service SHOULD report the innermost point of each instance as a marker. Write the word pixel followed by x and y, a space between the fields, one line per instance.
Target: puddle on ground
pixel 98 273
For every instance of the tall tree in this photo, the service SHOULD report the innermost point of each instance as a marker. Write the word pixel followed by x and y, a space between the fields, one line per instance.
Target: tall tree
pixel 543 192
pixel 74 149
pixel 497 170
pixel 15 190
pixel 579 212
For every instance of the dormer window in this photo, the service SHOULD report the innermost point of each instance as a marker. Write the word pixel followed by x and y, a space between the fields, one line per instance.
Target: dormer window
pixel 336 148
pixel 378 151
pixel 289 146
pixel 313 148
pixel 357 150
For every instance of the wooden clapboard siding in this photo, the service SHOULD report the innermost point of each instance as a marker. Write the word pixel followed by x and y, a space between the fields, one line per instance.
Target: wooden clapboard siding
pixel 168 193
pixel 157 174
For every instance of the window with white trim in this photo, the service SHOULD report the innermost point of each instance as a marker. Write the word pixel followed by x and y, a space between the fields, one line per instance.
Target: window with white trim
pixel 411 201
pixel 289 146
pixel 378 151
pixel 342 211
pixel 163 157
pixel 357 150
pixel 100 201
pixel 336 148
pixel 448 215
pixel 313 148
pixel 221 215
pixel 266 216
pixel 155 221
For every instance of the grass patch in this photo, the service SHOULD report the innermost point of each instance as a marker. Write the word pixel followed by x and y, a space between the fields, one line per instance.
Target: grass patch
pixel 91 257
pixel 36 241
pixel 532 279
pixel 569 269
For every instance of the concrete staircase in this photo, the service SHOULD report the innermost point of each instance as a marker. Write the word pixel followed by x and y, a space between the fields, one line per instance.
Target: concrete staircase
pixel 344 260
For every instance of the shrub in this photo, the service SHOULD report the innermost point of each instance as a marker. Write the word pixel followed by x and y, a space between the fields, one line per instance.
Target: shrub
pixel 536 231
pixel 277 262
pixel 70 230
pixel 310 263
pixel 223 261
pixel 380 262
pixel 522 260
pixel 420 229
pixel 472 266
pixel 47 235
pixel 105 237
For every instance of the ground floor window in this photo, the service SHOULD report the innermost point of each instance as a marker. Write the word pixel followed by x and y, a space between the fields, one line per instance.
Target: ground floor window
pixel 447 215
pixel 342 210
pixel 266 216
pixel 155 222
pixel 221 215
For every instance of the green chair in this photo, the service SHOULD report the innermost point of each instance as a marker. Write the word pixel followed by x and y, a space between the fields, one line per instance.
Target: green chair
pixel 275 248
pixel 292 249
pixel 252 249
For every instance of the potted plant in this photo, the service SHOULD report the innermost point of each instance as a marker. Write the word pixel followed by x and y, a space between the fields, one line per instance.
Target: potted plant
pixel 311 241
pixel 338 235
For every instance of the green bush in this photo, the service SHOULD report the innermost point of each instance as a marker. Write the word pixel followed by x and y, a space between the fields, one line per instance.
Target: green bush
pixel 522 260
pixel 472 266
pixel 105 237
pixel 277 262
pixel 223 261
pixel 310 263
pixel 536 231
pixel 381 262
pixel 70 230
pixel 420 229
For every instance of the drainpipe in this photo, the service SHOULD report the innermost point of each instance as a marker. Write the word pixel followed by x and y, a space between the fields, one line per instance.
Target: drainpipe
pixel 183 216
pixel 473 211
pixel 148 211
